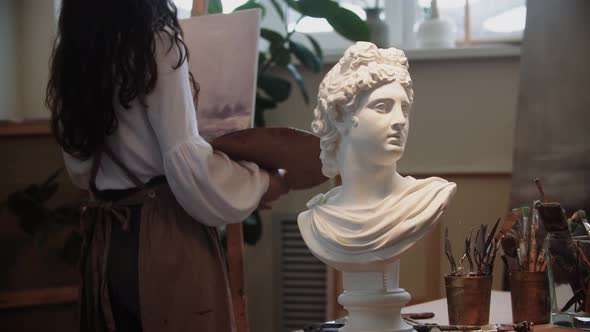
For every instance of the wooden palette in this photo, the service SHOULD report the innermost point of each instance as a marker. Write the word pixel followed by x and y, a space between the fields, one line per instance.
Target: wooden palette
pixel 296 151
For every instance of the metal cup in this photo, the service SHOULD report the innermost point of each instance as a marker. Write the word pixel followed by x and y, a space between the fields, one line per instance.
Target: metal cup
pixel 529 292
pixel 468 299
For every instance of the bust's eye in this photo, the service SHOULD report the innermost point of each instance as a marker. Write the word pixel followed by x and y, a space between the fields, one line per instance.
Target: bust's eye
pixel 382 107
pixel 406 109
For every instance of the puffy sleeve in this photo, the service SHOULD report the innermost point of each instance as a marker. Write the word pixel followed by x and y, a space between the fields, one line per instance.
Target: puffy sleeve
pixel 212 188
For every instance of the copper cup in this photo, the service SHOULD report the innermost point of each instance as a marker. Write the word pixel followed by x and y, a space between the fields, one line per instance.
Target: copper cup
pixel 468 299
pixel 529 292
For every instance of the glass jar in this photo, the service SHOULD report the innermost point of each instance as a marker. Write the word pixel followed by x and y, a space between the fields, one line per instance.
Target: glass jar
pixel 568 268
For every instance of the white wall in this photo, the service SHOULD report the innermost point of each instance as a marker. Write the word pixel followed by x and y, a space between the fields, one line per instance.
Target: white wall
pixel 36 30
pixel 463 118
pixel 8 56
pixel 27 30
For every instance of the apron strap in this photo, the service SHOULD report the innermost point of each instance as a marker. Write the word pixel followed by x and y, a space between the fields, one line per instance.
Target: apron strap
pixel 93 171
pixel 96 164
pixel 124 168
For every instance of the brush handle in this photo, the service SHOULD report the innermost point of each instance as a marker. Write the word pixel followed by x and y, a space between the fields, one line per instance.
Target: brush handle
pixel 533 249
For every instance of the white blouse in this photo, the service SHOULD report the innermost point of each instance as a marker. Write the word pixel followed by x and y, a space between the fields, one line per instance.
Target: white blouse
pixel 163 139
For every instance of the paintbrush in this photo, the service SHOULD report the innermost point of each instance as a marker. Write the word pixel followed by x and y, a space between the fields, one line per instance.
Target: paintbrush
pixel 468 251
pixel 449 252
pixel 429 327
pixel 533 248
pixel 509 220
pixel 541 263
pixel 541 191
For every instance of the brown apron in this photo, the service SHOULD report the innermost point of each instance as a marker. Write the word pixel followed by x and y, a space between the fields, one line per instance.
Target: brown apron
pixel 181 274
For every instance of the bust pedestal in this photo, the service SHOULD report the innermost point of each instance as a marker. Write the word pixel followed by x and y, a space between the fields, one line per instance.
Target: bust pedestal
pixel 374 301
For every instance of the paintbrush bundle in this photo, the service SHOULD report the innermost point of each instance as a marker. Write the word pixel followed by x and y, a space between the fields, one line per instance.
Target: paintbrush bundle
pixel 522 240
pixel 480 252
pixel 567 241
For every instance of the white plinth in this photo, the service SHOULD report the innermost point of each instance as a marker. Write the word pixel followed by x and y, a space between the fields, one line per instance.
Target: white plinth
pixel 374 301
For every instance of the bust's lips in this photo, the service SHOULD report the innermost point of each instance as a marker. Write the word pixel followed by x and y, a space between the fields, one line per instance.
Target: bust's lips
pixel 394 138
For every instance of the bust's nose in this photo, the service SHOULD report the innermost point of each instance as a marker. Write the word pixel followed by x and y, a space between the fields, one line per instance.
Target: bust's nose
pixel 398 119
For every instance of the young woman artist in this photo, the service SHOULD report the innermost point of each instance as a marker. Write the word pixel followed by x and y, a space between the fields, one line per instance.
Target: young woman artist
pixel 121 99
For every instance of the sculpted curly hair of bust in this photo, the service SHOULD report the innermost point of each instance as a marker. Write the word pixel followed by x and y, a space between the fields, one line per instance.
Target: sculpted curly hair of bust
pixel 363 68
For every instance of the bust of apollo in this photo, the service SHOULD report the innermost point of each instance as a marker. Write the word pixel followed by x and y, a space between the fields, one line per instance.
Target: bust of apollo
pixel 363 118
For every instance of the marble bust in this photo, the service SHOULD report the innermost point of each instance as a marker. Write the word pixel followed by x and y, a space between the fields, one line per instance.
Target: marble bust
pixel 363 226
pixel 362 119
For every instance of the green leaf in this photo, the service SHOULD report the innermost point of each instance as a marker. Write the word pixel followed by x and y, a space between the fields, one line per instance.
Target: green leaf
pixel 19 203
pixel 215 7
pixel 252 227
pixel 264 103
pixel 300 83
pixel 318 8
pixel 261 59
pixel 259 121
pixel 305 56
pixel 32 221
pixel 48 191
pixel 71 249
pixel 66 215
pixel 316 47
pixel 251 4
pixel 280 55
pixel 40 237
pixel 32 192
pixel 273 37
pixel 52 177
pixel 278 9
pixel 276 88
pixel 349 25
pixel 293 4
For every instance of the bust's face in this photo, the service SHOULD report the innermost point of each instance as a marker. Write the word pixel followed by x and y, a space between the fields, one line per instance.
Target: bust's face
pixel 383 124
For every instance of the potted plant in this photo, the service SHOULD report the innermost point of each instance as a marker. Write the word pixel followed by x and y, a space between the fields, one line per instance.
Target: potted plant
pixel 36 217
pixel 285 54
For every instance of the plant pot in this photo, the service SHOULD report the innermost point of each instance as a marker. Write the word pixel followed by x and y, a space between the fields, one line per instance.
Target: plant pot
pixel 377 27
pixel 468 299
pixel 436 33
pixel 529 292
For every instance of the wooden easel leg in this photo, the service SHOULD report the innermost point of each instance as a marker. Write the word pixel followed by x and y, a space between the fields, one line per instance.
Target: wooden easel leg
pixel 199 7
pixel 235 260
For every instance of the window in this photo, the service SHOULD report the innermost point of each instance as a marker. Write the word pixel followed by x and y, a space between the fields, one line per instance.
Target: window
pixel 481 20
pixel 184 6
pixel 477 21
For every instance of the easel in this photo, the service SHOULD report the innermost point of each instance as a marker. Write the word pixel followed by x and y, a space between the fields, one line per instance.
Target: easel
pixel 235 243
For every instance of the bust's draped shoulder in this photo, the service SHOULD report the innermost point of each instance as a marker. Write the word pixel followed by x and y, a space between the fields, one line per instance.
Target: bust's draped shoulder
pixel 383 229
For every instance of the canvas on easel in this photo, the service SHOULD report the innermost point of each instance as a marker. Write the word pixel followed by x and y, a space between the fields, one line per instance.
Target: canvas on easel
pixel 224 61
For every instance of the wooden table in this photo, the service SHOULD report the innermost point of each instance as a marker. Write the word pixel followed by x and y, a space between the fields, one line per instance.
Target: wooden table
pixel 500 312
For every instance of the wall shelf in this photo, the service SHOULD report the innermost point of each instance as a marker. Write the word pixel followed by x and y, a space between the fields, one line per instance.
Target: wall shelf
pixel 26 128
pixel 38 297
pixel 459 53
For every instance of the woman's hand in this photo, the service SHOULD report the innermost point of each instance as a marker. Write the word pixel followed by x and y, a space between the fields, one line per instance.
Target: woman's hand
pixel 277 186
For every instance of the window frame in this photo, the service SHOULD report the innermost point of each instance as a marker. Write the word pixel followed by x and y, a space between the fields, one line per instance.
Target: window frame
pixel 402 16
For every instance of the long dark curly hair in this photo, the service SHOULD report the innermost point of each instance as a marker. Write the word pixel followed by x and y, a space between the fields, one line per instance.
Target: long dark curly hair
pixel 103 48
